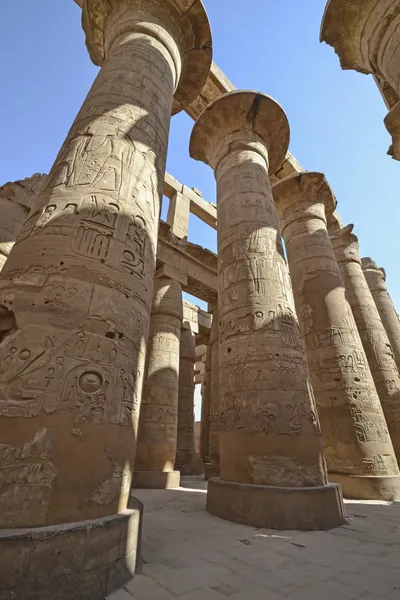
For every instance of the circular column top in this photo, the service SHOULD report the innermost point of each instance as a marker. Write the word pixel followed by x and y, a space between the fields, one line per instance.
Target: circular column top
pixel 310 187
pixel 354 28
pixel 370 265
pixel 238 111
pixel 346 246
pixel 189 26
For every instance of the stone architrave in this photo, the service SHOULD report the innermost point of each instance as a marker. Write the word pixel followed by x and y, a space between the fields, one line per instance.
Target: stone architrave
pixel 75 299
pixel 214 469
pixel 376 279
pixel 365 34
pixel 185 454
pixel 205 411
pixel 370 327
pixel 272 466
pixel 158 423
pixel 358 449
pixel 15 202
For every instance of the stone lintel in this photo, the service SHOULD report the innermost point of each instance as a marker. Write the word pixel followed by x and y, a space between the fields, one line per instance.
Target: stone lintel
pixel 201 208
pixel 167 270
pixel 198 320
pixel 178 214
pixel 199 264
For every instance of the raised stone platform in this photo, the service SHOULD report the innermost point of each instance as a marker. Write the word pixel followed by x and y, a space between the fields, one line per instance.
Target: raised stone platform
pixel 303 508
pixel 74 561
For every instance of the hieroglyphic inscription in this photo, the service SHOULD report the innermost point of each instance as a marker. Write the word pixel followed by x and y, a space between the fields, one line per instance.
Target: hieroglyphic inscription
pixel 26 477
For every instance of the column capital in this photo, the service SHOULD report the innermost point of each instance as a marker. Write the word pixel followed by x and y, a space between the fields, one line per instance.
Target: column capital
pixel 363 34
pixel 296 197
pixel 174 23
pixel 239 120
pixel 345 245
pixel 376 276
pixel 167 299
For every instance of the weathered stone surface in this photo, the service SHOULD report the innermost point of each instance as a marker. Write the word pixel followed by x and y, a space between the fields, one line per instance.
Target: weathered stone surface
pixel 77 288
pixel 185 454
pixel 366 36
pixel 158 424
pixel 206 407
pixel 84 560
pixel 358 449
pixel 372 332
pixel 15 202
pixel 214 469
pixel 269 429
pixel 376 279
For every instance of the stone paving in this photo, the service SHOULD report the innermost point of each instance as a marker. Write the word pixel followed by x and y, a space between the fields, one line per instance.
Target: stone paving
pixel 190 555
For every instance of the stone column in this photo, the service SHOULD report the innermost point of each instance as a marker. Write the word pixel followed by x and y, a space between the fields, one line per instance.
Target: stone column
pixel 372 332
pixel 366 37
pixel 358 449
pixel 75 304
pixel 214 469
pixel 15 202
pixel 376 279
pixel 205 411
pixel 185 454
pixel 270 438
pixel 158 424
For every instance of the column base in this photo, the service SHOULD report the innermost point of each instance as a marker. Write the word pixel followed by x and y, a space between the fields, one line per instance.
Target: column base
pixel 189 470
pixel 306 509
pixel 156 480
pixel 359 487
pixel 86 560
pixel 211 472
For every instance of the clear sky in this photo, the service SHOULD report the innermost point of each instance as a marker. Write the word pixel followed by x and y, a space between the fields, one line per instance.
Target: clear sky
pixel 272 46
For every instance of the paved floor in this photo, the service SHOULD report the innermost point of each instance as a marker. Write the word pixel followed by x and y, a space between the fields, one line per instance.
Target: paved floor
pixel 190 555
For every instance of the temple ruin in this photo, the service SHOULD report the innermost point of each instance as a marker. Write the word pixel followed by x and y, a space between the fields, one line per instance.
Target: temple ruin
pixel 297 355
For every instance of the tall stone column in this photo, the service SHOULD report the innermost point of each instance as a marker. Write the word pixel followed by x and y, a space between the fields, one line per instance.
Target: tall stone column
pixel 205 411
pixel 270 438
pixel 372 332
pixel 75 298
pixel 158 424
pixel 358 449
pixel 366 37
pixel 214 469
pixel 185 454
pixel 376 279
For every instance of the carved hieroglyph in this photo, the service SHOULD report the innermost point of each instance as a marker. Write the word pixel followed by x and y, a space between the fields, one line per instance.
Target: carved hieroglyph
pixel 358 449
pixel 372 332
pixel 366 36
pixel 76 292
pixel 376 279
pixel 269 429
pixel 205 408
pixel 185 454
pixel 214 398
pixel 158 423
pixel 15 202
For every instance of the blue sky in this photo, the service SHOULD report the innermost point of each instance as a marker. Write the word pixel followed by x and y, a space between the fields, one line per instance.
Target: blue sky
pixel 336 117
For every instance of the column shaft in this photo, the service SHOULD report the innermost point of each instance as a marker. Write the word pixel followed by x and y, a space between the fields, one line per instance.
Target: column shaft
pixel 75 298
pixel 205 409
pixel 270 437
pixel 158 428
pixel 185 455
pixel 358 449
pixel 214 399
pixel 372 332
pixel 376 279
